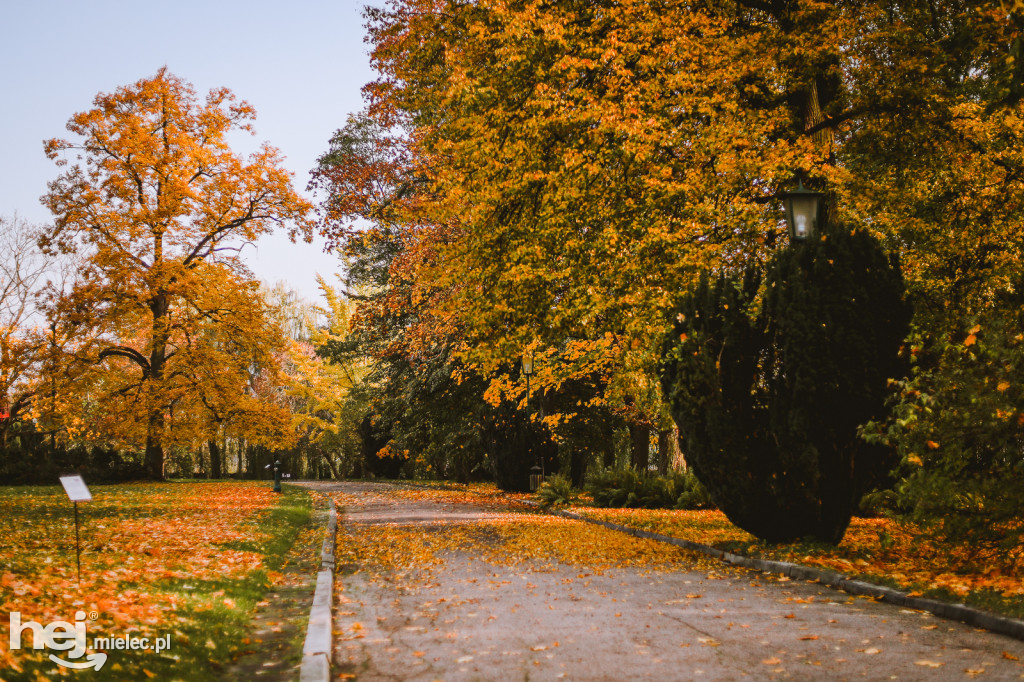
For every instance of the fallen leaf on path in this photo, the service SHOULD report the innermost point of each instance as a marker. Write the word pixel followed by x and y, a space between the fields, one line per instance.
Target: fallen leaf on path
pixel 870 651
pixel 1010 657
pixel 808 638
pixel 772 661
pixel 930 664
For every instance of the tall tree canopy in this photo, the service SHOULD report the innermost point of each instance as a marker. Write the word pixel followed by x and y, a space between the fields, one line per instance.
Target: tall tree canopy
pixel 159 205
pixel 591 158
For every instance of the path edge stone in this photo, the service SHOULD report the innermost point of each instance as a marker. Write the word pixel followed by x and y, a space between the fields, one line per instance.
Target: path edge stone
pixel 316 651
pixel 1003 625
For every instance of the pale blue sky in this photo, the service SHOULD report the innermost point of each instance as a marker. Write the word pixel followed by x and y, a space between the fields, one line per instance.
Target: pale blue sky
pixel 301 63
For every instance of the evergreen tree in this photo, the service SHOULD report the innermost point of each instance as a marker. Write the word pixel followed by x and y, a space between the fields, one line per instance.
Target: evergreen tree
pixel 769 384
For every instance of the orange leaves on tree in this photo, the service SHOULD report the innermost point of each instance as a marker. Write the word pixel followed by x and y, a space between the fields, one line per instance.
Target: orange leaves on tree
pixel 158 205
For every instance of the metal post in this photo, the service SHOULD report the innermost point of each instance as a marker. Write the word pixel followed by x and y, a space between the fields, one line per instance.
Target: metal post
pixel 78 553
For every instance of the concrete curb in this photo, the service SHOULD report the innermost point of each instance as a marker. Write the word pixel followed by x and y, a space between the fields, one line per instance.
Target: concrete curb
pixel 1002 625
pixel 316 652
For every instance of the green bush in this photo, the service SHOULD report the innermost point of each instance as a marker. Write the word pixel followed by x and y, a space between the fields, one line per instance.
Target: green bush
pixel 628 488
pixel 958 426
pixel 769 384
pixel 693 495
pixel 557 491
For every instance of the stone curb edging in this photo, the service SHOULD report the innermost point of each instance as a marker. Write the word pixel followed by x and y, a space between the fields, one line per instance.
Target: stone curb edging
pixel 316 652
pixel 1010 627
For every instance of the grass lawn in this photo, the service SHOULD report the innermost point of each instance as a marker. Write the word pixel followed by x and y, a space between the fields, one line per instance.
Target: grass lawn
pixel 186 561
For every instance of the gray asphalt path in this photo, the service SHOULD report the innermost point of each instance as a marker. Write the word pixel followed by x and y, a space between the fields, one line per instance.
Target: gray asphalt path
pixel 469 619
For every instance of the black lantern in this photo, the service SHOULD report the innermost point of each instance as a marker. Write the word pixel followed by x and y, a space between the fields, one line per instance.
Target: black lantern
pixel 803 207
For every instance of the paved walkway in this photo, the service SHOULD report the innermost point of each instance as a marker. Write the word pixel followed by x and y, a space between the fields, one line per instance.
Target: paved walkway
pixel 464 618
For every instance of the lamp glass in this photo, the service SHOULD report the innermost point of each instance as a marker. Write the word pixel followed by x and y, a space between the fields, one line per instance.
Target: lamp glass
pixel 528 363
pixel 802 208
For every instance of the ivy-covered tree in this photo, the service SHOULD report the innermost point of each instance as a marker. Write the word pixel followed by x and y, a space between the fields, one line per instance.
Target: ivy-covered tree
pixel 770 376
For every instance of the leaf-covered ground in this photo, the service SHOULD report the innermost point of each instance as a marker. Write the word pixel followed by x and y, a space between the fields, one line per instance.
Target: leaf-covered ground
pixel 189 560
pixel 877 550
pixel 456 582
pixel 514 535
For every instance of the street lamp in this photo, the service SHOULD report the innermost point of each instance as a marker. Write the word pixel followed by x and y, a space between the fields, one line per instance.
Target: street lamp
pixel 536 472
pixel 803 207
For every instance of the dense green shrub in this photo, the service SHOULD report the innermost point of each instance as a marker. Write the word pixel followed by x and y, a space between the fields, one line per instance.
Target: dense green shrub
pixel 557 491
pixel 959 428
pixel 769 384
pixel 31 458
pixel 627 488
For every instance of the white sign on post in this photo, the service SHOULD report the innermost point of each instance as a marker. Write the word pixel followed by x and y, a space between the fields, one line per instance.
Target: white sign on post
pixel 76 489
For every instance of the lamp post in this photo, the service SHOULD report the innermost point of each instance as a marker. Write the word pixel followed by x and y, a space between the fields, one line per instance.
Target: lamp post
pixel 803 208
pixel 536 471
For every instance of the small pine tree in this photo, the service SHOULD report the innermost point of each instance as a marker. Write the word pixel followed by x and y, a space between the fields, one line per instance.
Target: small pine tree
pixel 768 400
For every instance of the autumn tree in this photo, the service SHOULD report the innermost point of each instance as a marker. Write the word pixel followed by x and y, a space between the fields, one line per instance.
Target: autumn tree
pixel 22 271
pixel 598 156
pixel 232 369
pixel 157 204
pixel 323 393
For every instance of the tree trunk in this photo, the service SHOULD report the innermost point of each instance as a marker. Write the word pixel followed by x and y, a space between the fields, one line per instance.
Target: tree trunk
pixel 154 451
pixel 216 462
pixel 331 464
pixel 157 357
pixel 577 465
pixel 664 451
pixel 640 451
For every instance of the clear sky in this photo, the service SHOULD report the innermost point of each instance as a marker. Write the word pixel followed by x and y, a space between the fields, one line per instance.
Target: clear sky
pixel 300 63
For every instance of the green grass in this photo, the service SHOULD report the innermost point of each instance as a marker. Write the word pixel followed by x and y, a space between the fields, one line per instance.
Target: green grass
pixel 207 616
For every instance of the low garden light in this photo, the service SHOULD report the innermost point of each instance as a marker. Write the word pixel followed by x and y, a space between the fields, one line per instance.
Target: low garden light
pixel 803 209
pixel 536 478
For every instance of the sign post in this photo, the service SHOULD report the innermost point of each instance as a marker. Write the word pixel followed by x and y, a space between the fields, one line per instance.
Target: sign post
pixel 77 492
